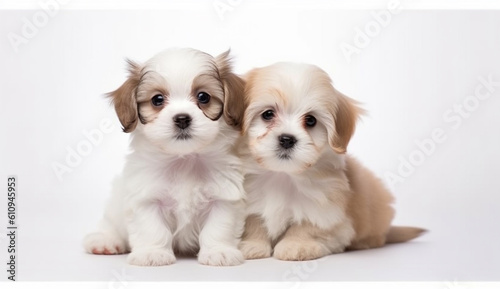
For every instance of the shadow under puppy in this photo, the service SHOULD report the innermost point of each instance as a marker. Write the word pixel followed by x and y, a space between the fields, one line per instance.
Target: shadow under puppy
pixel 182 185
pixel 306 198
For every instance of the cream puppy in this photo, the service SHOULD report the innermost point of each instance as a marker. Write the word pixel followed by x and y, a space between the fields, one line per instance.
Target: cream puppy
pixel 306 198
pixel 181 189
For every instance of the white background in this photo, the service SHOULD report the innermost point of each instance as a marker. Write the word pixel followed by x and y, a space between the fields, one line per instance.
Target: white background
pixel 412 73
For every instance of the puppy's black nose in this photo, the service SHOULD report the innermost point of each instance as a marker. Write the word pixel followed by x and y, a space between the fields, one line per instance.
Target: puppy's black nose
pixel 287 141
pixel 182 120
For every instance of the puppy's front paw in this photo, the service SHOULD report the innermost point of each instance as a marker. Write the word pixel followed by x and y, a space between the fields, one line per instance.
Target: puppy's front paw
pixel 151 257
pixel 104 244
pixel 299 250
pixel 225 256
pixel 255 249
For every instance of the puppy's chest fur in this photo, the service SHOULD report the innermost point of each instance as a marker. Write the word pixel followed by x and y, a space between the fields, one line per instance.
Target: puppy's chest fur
pixel 184 189
pixel 282 199
pixel 189 189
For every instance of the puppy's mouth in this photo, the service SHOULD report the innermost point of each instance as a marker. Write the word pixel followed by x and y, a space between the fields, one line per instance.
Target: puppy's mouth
pixel 183 135
pixel 284 154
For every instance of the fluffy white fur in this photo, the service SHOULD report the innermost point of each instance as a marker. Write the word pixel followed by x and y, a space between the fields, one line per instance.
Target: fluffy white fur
pixel 181 195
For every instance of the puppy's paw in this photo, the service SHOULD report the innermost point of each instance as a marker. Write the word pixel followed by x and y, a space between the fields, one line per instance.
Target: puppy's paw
pixel 224 256
pixel 104 244
pixel 299 250
pixel 151 257
pixel 255 249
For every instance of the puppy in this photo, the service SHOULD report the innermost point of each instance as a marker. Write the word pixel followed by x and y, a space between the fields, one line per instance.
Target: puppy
pixel 181 189
pixel 306 198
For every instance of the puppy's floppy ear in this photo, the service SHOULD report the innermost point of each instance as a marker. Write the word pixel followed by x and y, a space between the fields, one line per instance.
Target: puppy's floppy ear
pixel 345 113
pixel 124 98
pixel 234 88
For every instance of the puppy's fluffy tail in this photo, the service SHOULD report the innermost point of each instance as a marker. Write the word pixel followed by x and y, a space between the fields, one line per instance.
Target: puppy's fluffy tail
pixel 398 234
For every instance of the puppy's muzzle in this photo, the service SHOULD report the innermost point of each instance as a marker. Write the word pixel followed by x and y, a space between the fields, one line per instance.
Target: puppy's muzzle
pixel 287 141
pixel 182 121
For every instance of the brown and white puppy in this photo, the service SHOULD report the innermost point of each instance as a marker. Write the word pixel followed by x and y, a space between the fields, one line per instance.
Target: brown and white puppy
pixel 306 198
pixel 181 189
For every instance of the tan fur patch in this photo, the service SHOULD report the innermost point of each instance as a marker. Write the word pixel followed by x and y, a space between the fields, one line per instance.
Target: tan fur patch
pixel 210 83
pixel 369 206
pixel 151 84
pixel 124 98
pixel 307 242
pixel 255 243
pixel 234 91
pixel 345 113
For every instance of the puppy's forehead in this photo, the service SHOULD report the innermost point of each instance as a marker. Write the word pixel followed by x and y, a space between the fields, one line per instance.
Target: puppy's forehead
pixel 292 85
pixel 180 67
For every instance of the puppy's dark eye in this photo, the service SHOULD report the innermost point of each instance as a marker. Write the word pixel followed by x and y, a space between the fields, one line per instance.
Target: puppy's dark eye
pixel 158 100
pixel 203 97
pixel 310 120
pixel 268 115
